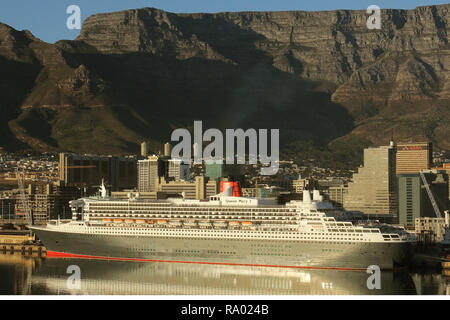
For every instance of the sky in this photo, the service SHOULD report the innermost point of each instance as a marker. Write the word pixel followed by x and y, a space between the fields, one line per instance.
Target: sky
pixel 46 19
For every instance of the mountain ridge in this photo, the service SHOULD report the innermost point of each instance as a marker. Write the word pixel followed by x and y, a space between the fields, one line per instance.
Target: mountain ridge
pixel 136 75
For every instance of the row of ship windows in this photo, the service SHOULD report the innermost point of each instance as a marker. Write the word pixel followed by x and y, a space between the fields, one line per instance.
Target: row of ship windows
pixel 260 247
pixel 202 208
pixel 340 242
pixel 248 236
pixel 332 250
pixel 189 214
pixel 225 231
pixel 355 230
pixel 334 225
pixel 296 235
pixel 115 213
pixel 222 217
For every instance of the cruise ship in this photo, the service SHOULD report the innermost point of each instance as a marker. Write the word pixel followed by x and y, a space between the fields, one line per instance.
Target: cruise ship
pixel 223 229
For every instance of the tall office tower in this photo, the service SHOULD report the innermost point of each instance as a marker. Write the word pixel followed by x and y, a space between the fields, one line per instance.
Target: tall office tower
pixel 414 157
pixel 374 188
pixel 89 170
pixel 144 149
pixel 413 200
pixel 149 171
pixel 178 170
pixel 167 149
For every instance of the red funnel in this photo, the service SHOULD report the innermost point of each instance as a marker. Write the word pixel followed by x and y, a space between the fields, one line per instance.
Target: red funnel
pixel 237 192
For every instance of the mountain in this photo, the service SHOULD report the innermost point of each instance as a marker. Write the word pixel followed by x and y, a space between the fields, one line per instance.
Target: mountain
pixel 322 78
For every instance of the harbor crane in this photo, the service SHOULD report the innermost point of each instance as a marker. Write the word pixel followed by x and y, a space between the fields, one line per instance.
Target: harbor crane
pixel 430 195
pixel 24 199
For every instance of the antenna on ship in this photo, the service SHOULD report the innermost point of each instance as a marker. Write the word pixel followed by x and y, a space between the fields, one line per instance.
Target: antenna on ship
pixel 103 189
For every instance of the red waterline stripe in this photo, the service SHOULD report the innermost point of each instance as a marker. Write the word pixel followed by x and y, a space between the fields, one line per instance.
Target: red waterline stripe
pixel 54 254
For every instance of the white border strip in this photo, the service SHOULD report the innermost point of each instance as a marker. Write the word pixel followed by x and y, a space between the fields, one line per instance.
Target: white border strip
pixel 227 297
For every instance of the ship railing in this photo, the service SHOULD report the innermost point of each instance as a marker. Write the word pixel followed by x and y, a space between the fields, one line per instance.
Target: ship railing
pixel 400 236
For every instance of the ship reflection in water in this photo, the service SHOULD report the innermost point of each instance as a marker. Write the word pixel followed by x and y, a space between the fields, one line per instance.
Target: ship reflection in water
pixel 34 275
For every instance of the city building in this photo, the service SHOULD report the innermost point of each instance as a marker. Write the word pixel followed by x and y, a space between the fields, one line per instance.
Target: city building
pixel 284 180
pixel 50 201
pixel 153 168
pixel 299 185
pixel 413 157
pixel 433 226
pixel 177 170
pixel 199 189
pixel 144 149
pixel 149 172
pixel 264 191
pixel 336 195
pixel 7 208
pixel 167 149
pixel 445 167
pixel 413 199
pixel 334 189
pixel 373 190
pixel 89 170
pixel 132 194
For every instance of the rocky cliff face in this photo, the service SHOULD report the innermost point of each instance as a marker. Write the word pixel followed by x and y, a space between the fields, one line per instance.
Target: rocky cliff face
pixel 319 76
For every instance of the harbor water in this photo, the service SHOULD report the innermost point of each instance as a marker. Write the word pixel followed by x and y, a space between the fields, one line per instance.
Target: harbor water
pixel 34 275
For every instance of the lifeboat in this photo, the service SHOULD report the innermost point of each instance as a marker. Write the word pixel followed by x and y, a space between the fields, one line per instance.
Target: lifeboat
pixel 220 223
pixel 149 221
pixel 190 223
pixel 204 223
pixel 234 223
pixel 140 221
pixel 247 225
pixel 107 220
pixel 129 220
pixel 161 221
pixel 118 220
pixel 175 223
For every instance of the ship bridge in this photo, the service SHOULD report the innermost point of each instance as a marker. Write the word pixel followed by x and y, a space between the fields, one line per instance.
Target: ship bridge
pixel 226 198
